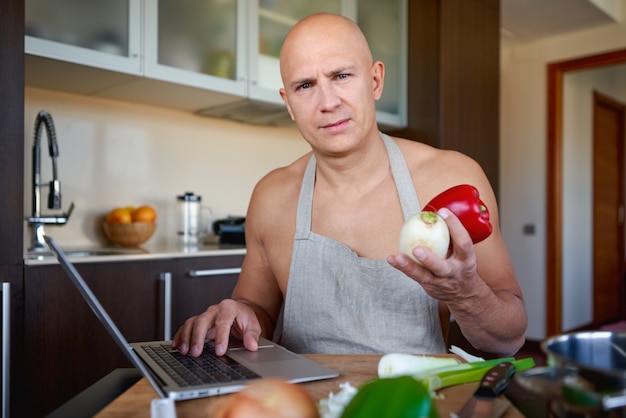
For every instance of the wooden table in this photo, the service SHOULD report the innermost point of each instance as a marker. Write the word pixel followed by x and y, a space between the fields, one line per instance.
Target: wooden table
pixel 356 369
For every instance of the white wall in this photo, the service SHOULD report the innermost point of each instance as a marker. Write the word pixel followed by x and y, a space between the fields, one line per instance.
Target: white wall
pixel 523 153
pixel 118 154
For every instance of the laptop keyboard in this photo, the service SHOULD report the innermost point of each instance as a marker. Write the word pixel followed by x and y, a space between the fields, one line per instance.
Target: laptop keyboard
pixel 207 368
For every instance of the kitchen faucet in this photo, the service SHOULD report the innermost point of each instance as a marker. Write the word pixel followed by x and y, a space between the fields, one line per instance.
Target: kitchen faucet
pixel 54 195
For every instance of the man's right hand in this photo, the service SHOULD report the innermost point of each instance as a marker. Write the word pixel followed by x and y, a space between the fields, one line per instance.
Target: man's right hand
pixel 219 322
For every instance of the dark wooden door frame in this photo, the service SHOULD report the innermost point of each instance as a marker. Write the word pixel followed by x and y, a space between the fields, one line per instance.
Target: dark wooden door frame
pixel 554 218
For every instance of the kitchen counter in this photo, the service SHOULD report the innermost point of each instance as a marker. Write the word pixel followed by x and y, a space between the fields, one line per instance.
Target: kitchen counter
pixel 113 253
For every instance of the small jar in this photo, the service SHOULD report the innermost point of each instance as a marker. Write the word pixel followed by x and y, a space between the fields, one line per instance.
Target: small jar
pixel 189 205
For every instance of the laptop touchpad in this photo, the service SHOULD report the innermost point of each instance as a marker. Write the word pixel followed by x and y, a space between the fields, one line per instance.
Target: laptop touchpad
pixel 263 354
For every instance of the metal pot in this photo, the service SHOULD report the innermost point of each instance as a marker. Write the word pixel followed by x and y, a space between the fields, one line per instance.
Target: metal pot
pixel 586 374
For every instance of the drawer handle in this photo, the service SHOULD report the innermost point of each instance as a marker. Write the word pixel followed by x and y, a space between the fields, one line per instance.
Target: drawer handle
pixel 167 305
pixel 214 272
pixel 6 343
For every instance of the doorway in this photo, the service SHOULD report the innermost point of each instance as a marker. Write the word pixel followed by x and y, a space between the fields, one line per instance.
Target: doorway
pixel 554 216
pixel 608 209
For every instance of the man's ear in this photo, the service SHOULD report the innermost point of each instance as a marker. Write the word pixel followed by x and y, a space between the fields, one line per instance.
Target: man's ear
pixel 378 78
pixel 283 95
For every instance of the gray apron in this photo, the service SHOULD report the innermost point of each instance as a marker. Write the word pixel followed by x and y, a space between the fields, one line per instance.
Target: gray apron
pixel 338 302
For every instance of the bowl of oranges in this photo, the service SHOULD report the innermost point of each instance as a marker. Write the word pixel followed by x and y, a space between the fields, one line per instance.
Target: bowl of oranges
pixel 130 226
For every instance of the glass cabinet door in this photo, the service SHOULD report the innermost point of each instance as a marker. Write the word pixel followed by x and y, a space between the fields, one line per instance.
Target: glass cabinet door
pixel 384 25
pixel 197 43
pixel 100 34
pixel 268 27
pixel 182 51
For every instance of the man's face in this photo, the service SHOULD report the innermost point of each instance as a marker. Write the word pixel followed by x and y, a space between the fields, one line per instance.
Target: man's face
pixel 330 87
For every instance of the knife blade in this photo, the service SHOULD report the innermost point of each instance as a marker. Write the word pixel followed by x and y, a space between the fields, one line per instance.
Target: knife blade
pixel 493 384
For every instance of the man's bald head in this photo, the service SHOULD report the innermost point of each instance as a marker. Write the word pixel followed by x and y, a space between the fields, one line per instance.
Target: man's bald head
pixel 318 31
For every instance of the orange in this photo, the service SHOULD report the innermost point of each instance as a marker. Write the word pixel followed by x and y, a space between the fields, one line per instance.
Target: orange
pixel 119 216
pixel 144 213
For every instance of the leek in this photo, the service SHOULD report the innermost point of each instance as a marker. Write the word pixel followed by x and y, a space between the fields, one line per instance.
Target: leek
pixel 464 354
pixel 466 372
pixel 399 364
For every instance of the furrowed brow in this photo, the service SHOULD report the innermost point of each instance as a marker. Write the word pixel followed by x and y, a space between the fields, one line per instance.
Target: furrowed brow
pixel 299 82
pixel 342 70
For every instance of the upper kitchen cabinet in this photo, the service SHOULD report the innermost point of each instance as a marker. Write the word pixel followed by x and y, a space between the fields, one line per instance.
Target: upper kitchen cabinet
pixel 385 27
pixel 164 53
pixel 268 21
pixel 199 44
pixel 384 24
pixel 216 57
pixel 101 35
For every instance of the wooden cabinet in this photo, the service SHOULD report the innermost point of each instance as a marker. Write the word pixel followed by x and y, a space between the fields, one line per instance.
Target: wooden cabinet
pixel 66 347
pixel 200 282
pixel 11 184
pixel 217 57
pixel 453 87
pixel 5 354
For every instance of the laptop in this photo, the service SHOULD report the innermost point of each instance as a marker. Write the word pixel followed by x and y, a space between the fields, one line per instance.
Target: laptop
pixel 178 377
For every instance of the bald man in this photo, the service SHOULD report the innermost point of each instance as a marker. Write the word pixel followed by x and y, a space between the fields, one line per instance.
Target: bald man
pixel 322 233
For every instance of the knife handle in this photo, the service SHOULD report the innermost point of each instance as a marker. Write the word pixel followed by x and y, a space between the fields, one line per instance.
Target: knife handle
pixel 495 381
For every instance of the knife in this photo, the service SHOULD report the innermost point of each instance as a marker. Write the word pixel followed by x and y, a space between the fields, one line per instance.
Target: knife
pixel 492 385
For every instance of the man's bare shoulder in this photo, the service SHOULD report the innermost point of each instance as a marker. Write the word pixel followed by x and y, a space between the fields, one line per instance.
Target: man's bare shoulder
pixel 282 180
pixel 275 196
pixel 434 169
pixel 416 152
pixel 271 217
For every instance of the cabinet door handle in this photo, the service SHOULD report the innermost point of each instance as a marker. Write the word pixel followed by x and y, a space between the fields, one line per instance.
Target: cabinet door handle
pixel 6 346
pixel 214 272
pixel 167 305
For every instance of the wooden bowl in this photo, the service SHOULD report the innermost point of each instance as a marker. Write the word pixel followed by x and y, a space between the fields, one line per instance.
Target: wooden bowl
pixel 129 235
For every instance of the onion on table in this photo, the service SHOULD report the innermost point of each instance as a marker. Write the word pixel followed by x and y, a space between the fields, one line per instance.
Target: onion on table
pixel 267 398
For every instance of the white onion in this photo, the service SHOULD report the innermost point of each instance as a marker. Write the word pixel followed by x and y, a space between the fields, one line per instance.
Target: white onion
pixel 426 229
pixel 266 398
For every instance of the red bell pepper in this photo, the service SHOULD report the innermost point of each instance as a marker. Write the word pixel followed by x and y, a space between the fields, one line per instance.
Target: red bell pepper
pixel 463 200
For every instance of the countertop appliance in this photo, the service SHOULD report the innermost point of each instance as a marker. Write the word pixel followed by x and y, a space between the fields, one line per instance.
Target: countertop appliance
pixel 231 230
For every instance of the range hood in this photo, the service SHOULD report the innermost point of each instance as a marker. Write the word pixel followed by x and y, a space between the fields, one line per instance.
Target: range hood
pixel 250 111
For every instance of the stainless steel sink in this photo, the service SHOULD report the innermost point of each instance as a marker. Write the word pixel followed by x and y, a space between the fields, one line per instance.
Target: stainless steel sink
pixel 97 252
